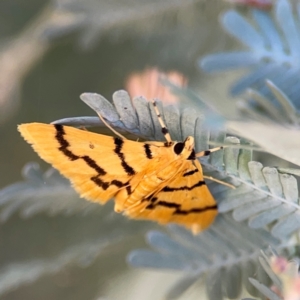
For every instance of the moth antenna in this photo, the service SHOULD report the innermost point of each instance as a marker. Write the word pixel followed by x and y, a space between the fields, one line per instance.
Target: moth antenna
pixel 107 125
pixel 208 152
pixel 164 128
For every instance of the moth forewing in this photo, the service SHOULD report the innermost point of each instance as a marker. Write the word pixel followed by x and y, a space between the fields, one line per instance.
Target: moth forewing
pixel 94 163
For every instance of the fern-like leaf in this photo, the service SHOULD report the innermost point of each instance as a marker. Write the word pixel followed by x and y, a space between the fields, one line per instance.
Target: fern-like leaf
pixel 270 198
pixel 270 55
pixel 39 192
pixel 264 110
pixel 225 256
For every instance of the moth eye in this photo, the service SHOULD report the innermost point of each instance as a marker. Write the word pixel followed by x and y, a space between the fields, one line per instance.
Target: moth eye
pixel 178 148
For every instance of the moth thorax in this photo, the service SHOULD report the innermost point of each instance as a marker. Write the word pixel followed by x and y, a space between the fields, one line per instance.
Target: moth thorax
pixel 185 149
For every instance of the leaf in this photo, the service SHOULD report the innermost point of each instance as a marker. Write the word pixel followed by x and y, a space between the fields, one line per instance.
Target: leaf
pixel 18 274
pixel 271 55
pixel 264 290
pixel 57 195
pixel 224 254
pixel 279 108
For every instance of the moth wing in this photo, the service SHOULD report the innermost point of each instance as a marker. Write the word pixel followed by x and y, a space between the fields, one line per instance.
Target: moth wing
pixel 97 165
pixel 184 200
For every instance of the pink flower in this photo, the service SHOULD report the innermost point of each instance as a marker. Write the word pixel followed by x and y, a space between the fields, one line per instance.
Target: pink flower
pixel 146 84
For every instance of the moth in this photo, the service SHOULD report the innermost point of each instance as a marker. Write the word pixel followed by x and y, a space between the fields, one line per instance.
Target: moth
pixel 158 181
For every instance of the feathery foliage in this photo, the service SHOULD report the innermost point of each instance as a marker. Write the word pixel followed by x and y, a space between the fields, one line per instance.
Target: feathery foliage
pixel 273 50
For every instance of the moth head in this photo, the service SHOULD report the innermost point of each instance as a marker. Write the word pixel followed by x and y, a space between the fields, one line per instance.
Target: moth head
pixel 185 149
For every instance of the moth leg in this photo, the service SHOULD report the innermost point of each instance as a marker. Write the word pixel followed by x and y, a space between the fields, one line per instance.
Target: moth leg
pixel 220 181
pixel 135 209
pixel 208 152
pixel 83 128
pixel 164 128
pixel 108 126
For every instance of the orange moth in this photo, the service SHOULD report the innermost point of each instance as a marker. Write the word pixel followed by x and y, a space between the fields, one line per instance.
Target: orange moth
pixel 159 181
